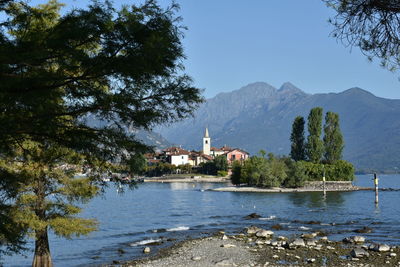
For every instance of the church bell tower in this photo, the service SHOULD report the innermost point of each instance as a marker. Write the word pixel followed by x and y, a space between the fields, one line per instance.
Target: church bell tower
pixel 206 143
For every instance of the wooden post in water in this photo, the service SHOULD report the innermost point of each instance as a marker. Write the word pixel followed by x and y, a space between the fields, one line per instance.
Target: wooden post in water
pixel 323 183
pixel 376 188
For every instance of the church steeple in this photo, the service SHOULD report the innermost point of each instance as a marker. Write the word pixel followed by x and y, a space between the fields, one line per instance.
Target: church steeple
pixel 206 143
pixel 206 133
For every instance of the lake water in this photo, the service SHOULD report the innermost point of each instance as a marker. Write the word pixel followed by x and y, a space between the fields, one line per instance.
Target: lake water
pixel 165 212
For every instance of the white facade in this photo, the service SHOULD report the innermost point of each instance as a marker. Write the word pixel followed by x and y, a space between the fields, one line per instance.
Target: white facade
pixel 179 159
pixel 206 143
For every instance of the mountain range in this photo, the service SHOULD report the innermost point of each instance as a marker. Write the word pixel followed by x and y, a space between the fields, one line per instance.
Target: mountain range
pixel 260 116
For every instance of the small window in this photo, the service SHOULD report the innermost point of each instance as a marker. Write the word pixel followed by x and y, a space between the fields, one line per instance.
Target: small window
pixel 182 157
pixel 206 142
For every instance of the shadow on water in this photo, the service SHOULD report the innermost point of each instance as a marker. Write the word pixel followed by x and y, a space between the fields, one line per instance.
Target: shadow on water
pixel 317 199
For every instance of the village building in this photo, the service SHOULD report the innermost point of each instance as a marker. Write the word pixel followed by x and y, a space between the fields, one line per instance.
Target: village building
pixel 236 154
pixel 196 158
pixel 177 156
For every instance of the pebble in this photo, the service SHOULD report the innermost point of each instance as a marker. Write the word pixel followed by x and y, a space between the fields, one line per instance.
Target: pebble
pixel 275 256
pixel 196 258
pixel 225 262
pixel 146 250
pixel 311 260
pixel 329 247
pixel 224 237
pixel 392 254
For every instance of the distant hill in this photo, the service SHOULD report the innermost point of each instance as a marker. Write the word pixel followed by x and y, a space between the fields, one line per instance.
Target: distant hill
pixel 259 116
pixel 147 137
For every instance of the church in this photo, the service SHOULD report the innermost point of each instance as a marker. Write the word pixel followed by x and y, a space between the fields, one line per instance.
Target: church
pixel 179 156
pixel 232 154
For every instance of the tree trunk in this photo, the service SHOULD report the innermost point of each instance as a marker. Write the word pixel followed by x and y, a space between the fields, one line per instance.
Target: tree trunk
pixel 42 250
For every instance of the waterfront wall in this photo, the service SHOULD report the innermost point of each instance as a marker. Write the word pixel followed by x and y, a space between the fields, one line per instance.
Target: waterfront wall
pixel 329 185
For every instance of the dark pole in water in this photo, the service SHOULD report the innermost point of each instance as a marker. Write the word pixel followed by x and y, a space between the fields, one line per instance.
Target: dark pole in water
pixel 376 188
pixel 323 182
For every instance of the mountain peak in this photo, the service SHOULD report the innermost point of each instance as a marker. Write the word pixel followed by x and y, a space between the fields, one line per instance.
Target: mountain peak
pixel 289 87
pixel 357 90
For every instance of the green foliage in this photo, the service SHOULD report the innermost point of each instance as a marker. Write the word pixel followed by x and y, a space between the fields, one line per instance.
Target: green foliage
pixel 314 146
pixel 208 168
pixel 283 171
pixel 137 164
pixel 297 150
pixel 160 168
pixel 57 73
pixel 333 138
pixel 296 175
pixel 185 168
pixel 341 170
pixel 236 177
pixel 373 26
pixel 221 163
pixel 222 173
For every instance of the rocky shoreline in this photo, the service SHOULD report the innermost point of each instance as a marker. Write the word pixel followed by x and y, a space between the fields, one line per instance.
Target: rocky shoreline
pixel 260 247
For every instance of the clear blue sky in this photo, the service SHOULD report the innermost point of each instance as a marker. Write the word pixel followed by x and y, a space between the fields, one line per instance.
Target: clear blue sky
pixel 231 43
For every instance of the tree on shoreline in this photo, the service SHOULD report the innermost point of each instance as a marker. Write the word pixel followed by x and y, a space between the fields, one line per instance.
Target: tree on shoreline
pixel 297 151
pixel 372 25
pixel 314 146
pixel 333 138
pixel 56 73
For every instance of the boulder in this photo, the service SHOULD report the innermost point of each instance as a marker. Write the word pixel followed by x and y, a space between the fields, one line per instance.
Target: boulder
pixel 264 233
pixel 364 230
pixel 309 236
pixel 252 230
pixel 380 248
pixel 311 243
pixel 358 239
pixel 252 216
pixel 298 242
pixel 359 253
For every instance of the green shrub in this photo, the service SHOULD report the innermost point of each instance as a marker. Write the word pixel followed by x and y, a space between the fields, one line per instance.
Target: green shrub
pixel 341 170
pixel 296 175
pixel 236 173
pixel 222 173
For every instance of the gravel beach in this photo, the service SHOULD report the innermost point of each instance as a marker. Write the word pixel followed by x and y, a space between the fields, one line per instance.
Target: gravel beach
pixel 259 247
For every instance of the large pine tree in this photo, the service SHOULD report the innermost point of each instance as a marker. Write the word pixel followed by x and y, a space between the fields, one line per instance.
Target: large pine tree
pixel 315 147
pixel 297 151
pixel 57 72
pixel 333 138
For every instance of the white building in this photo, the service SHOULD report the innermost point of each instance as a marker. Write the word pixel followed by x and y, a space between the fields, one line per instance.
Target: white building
pixel 206 143
pixel 177 156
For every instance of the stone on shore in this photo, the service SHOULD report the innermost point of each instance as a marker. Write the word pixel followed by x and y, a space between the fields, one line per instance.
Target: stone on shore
pixel 359 253
pixel 146 250
pixel 354 239
pixel 252 230
pixel 380 248
pixel 264 233
pixel 298 242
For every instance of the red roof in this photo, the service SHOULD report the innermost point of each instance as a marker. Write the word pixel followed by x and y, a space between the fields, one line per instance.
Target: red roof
pixel 226 148
pixel 176 151
pixel 215 149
